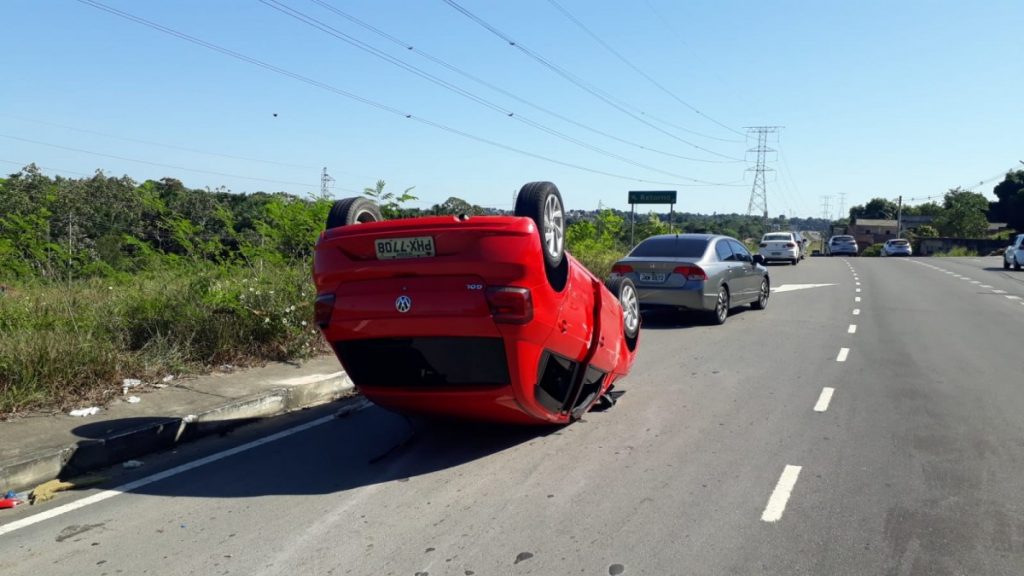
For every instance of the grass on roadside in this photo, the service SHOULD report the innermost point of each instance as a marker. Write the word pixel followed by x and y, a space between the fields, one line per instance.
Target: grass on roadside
pixel 64 343
pixel 955 251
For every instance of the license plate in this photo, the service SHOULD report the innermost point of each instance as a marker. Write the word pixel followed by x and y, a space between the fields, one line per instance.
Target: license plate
pixel 393 248
pixel 651 277
pixel 776 253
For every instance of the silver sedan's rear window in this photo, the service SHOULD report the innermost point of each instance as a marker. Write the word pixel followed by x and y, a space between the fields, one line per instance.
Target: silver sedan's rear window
pixel 671 247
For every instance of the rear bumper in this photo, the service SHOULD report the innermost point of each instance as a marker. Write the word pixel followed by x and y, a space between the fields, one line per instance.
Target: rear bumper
pixel 775 255
pixel 688 298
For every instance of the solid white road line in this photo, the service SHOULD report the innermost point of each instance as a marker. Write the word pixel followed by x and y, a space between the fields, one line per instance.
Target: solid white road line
pixel 856 311
pixel 843 353
pixel 824 399
pixel 136 484
pixel 852 329
pixel 780 496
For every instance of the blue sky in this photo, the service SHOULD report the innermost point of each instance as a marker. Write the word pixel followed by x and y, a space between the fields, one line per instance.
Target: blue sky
pixel 876 98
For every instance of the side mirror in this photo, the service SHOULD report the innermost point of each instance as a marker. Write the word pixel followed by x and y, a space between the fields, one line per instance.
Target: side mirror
pixel 758 259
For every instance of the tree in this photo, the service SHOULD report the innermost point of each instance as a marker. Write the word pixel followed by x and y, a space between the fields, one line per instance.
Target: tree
pixel 389 203
pixel 963 214
pixel 932 209
pixel 876 209
pixel 926 231
pixel 456 206
pixel 1010 206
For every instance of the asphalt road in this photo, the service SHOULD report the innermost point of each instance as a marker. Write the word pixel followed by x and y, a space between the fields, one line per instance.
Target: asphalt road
pixel 724 456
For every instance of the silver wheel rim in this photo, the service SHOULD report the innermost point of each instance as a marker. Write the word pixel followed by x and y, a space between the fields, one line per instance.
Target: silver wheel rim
pixel 364 216
pixel 764 293
pixel 554 226
pixel 723 304
pixel 630 309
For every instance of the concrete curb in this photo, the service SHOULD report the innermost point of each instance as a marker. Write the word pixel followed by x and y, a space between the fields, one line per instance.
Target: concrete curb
pixel 87 455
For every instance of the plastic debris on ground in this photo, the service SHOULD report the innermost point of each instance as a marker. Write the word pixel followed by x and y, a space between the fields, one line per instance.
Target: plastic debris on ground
pixel 168 378
pixel 9 503
pixel 132 464
pixel 91 411
pixel 10 494
pixel 47 490
pixel 129 383
pixel 133 400
pixel 160 386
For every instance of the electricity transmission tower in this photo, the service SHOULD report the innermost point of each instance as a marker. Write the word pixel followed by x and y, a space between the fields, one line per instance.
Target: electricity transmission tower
pixel 325 183
pixel 759 193
pixel 842 205
pixel 826 207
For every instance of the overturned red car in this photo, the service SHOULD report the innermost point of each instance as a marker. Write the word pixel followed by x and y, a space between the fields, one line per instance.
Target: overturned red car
pixel 482 317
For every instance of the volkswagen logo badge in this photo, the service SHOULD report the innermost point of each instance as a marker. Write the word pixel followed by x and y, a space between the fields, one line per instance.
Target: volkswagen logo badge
pixel 403 304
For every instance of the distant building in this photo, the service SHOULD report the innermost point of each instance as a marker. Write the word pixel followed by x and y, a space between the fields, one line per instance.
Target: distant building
pixel 869 231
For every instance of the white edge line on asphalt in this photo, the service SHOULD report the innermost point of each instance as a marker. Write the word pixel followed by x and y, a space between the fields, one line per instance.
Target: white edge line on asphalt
pixel 311 379
pixel 856 311
pixel 136 484
pixel 780 496
pixel 824 399
pixel 843 353
pixel 852 329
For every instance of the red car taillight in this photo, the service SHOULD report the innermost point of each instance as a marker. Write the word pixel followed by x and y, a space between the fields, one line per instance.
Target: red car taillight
pixel 622 269
pixel 790 245
pixel 510 304
pixel 691 272
pixel 322 310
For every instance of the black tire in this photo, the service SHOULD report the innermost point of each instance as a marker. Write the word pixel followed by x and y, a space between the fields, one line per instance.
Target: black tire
pixel 1016 263
pixel 542 203
pixel 350 211
pixel 796 261
pixel 1006 265
pixel 718 316
pixel 762 297
pixel 625 291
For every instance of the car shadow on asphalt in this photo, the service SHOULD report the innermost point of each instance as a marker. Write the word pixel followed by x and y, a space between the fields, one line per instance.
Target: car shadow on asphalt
pixel 368 447
pixel 682 319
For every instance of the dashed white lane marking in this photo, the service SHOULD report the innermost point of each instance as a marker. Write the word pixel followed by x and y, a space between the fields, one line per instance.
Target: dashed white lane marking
pixel 843 353
pixel 780 496
pixel 858 289
pixel 984 286
pixel 975 281
pixel 824 399
pixel 856 298
pixel 1011 297
pixel 852 329
pixel 857 283
pixel 999 291
pixel 136 484
pixel 856 311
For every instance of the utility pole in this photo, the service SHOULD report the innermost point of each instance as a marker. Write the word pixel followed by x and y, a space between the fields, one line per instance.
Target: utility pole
pixel 325 183
pixel 759 194
pixel 899 218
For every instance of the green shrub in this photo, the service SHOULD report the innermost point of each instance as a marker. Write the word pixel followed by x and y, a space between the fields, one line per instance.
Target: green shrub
pixel 873 250
pixel 956 251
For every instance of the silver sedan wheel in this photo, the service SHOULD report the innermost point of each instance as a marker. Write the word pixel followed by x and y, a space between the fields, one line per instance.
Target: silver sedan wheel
pixel 554 226
pixel 722 306
pixel 762 298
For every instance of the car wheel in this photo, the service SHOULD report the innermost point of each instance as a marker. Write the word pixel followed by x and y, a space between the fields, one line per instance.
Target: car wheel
pixel 541 202
pixel 762 297
pixel 1006 265
pixel 795 261
pixel 721 311
pixel 625 291
pixel 350 211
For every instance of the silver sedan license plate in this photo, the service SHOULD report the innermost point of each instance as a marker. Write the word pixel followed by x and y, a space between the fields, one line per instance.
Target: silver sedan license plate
pixel 651 277
pixel 416 247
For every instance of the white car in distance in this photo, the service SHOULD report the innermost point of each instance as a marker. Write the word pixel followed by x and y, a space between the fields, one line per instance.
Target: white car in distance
pixel 777 246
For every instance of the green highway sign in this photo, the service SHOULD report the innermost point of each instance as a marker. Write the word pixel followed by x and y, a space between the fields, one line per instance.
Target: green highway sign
pixel 652 197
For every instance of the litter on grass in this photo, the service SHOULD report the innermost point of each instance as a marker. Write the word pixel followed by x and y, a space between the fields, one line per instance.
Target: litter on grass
pixel 168 378
pixel 129 383
pixel 90 411
pixel 133 400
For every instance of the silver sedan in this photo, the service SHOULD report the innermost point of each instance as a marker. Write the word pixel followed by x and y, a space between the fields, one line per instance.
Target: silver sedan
pixel 704 272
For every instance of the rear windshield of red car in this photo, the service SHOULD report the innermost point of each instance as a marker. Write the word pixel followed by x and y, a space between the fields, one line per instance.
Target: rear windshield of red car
pixel 671 247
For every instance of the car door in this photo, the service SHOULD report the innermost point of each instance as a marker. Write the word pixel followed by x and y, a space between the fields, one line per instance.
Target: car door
pixel 747 277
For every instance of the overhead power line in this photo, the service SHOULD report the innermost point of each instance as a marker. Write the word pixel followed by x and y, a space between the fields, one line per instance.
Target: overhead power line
pixel 647 76
pixel 498 89
pixel 24 165
pixel 338 34
pixel 575 80
pixel 350 95
pixel 163 145
pixel 158 164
